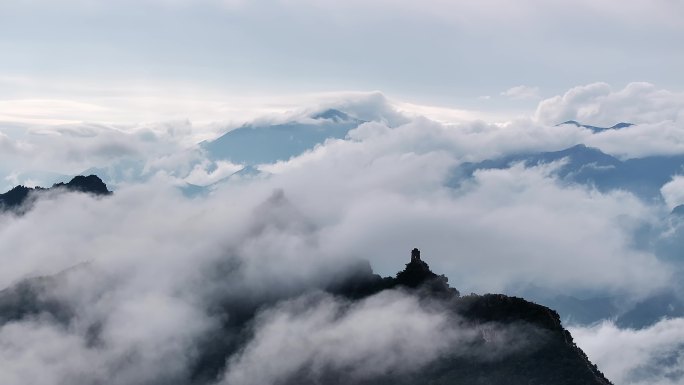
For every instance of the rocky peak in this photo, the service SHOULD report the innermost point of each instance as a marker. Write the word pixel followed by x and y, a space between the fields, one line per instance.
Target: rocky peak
pixel 19 195
pixel 418 274
pixel 89 184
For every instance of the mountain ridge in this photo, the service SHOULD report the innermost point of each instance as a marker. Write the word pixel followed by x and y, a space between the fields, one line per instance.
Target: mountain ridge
pixel 596 129
pixel 590 166
pixel 19 195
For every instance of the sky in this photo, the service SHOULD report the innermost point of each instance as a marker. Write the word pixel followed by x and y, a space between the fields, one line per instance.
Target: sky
pixel 150 60
pixel 136 85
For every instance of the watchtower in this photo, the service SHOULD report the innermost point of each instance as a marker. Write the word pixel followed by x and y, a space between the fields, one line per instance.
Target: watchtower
pixel 415 255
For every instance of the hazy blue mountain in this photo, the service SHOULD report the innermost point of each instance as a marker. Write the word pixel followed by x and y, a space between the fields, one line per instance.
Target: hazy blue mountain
pixel 252 144
pixel 585 165
pixel 589 308
pixel 582 311
pixel 126 170
pixel 597 129
pixel 651 310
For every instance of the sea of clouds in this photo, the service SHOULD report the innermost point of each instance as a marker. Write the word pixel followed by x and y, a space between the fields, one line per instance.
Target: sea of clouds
pixel 143 264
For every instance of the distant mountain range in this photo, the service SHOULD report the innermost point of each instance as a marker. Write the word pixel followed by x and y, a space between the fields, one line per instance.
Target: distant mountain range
pixel 590 166
pixel 644 177
pixel 547 353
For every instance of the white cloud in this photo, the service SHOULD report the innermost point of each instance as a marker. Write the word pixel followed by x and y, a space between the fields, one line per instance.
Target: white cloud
pixel 598 104
pixel 663 138
pixel 321 334
pixel 48 111
pixel 375 195
pixel 504 227
pixel 673 192
pixel 387 183
pixel 630 357
pixel 522 92
pixel 207 173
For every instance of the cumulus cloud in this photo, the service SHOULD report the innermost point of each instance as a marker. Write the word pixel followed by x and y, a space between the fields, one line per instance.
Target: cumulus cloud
pixel 673 192
pixel 390 180
pixel 152 274
pixel 630 357
pixel 134 302
pixel 207 173
pixel 599 105
pixel 522 92
pixel 383 190
pixel 642 140
pixel 319 334
pixel 391 184
pixel 170 146
pixel 316 335
pixel 40 152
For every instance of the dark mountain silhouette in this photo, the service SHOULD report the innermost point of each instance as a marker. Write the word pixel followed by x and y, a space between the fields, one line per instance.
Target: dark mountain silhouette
pixel 547 354
pixel 585 165
pixel 556 360
pixel 19 195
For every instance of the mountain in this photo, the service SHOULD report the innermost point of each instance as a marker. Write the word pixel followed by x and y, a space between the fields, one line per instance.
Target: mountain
pixel 510 340
pixel 597 129
pixel 255 144
pixel 624 312
pixel 19 195
pixel 590 166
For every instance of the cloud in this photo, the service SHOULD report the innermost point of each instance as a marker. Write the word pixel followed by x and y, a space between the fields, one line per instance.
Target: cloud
pixel 152 275
pixel 389 182
pixel 7 145
pixel 138 299
pixel 43 151
pixel 505 227
pixel 647 139
pixel 324 334
pixel 673 192
pixel 522 92
pixel 212 83
pixel 207 173
pixel 48 111
pixel 599 105
pixel 311 337
pixel 385 189
pixel 630 357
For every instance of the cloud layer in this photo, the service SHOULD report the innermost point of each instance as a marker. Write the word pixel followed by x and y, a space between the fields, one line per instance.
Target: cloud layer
pixel 647 356
pixel 145 265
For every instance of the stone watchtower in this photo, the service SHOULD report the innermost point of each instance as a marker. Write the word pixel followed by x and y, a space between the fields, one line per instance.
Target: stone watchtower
pixel 415 255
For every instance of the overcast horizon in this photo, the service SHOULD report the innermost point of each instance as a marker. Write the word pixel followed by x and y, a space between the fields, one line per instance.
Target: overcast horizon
pixel 155 60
